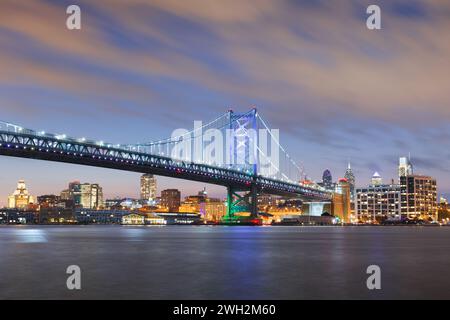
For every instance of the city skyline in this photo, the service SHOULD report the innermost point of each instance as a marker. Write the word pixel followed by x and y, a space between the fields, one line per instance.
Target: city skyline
pixel 332 75
pixel 216 192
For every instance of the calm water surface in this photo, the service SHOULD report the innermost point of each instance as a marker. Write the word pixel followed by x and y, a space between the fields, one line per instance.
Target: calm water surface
pixel 188 262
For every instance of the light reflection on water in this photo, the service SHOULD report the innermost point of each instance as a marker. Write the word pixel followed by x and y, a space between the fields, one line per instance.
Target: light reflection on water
pixel 23 235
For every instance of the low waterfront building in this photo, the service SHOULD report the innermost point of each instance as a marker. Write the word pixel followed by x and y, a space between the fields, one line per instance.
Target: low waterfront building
pixel 191 204
pixel 113 203
pixel 180 218
pixel 86 216
pixel 154 219
pixel 308 220
pixel 316 208
pixel 17 216
pixel 56 215
pixel 213 210
pixel 133 219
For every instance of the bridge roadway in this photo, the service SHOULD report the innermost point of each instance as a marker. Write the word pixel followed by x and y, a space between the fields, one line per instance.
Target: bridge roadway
pixel 54 148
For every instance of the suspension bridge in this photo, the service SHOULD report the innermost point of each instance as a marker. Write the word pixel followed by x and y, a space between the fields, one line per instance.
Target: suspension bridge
pixel 236 150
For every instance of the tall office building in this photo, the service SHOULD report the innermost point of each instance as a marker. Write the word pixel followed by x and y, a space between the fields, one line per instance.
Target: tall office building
pixel 418 192
pixel 91 196
pixel 85 195
pixel 405 167
pixel 148 187
pixel 20 198
pixel 74 192
pixel 376 179
pixel 418 197
pixel 171 199
pixel 327 179
pixel 350 178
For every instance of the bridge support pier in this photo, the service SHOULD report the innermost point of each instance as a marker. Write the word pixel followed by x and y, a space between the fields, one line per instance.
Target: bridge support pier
pixel 241 201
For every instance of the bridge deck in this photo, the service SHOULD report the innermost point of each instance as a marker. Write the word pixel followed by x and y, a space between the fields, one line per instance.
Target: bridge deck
pixel 44 147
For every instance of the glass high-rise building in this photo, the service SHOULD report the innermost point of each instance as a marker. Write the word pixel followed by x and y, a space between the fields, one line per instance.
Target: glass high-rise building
pixel 350 178
pixel 327 179
pixel 405 167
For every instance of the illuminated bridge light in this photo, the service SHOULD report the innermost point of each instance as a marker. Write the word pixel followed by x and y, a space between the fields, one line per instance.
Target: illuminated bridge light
pixel 208 170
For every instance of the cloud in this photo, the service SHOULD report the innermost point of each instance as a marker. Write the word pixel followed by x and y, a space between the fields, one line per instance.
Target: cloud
pixel 311 67
pixel 424 164
pixel 277 52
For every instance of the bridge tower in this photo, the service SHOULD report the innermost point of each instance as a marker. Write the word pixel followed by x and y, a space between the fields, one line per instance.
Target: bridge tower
pixel 243 156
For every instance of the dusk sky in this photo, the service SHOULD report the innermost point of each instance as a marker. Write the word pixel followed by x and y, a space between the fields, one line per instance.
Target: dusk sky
pixel 139 69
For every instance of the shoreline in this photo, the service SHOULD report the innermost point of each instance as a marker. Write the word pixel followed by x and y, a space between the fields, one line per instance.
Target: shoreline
pixel 222 225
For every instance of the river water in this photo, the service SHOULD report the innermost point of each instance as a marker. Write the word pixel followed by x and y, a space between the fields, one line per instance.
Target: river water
pixel 211 262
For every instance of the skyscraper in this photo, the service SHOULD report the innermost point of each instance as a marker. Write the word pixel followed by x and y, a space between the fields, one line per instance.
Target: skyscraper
pixel 350 178
pixel 85 195
pixel 20 198
pixel 91 196
pixel 73 193
pixel 327 179
pixel 418 192
pixel 148 187
pixel 405 167
pixel 376 179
